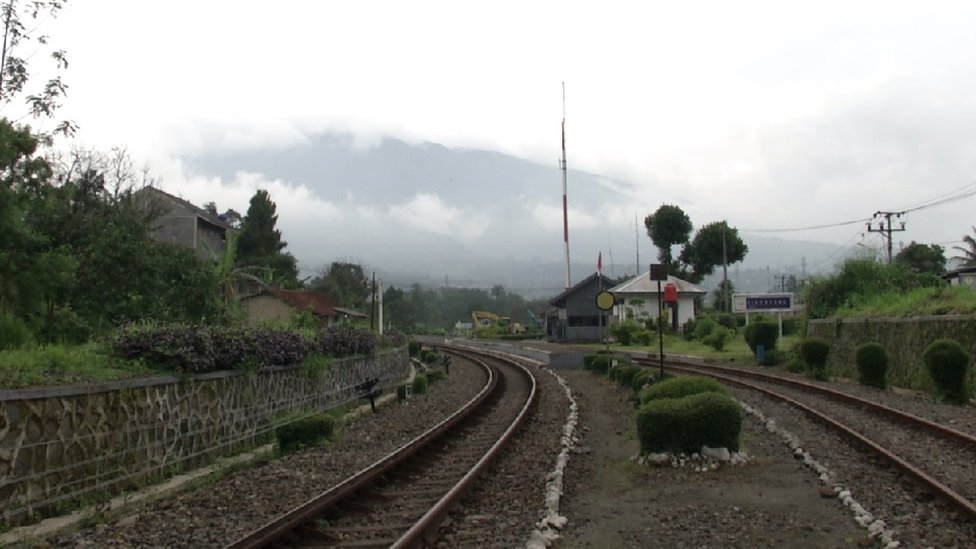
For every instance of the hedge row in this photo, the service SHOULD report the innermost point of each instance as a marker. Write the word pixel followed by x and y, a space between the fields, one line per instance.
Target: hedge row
pixel 199 349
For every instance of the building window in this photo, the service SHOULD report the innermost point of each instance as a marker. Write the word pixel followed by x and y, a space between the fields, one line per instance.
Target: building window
pixel 584 321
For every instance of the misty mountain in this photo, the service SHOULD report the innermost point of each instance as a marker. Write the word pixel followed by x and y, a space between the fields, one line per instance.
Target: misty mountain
pixel 436 216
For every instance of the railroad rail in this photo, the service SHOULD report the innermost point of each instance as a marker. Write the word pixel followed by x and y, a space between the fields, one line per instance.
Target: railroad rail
pixel 926 478
pixel 400 500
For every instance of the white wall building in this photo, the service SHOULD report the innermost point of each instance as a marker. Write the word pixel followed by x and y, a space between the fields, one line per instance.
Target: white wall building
pixel 640 295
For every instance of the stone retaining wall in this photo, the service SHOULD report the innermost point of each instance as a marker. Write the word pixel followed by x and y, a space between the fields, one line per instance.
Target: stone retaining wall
pixel 64 445
pixel 905 340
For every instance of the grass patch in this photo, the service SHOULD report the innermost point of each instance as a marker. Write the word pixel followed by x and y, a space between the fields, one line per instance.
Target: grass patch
pixel 735 349
pixel 944 300
pixel 64 364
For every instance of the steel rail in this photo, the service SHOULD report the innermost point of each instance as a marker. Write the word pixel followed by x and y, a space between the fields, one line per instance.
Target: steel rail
pixel 307 511
pixel 906 417
pixel 417 534
pixel 949 494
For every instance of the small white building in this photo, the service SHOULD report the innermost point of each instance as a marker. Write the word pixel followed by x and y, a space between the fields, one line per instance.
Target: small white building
pixel 639 296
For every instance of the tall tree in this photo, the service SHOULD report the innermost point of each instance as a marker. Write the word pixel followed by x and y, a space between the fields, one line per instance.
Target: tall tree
pixel 260 244
pixel 713 245
pixel 968 252
pixel 20 22
pixel 668 226
pixel 923 258
pixel 345 282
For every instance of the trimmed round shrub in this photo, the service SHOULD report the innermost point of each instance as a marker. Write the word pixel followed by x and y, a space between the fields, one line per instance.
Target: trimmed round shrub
pixel 304 432
pixel 601 363
pixel 681 386
pixel 419 386
pixel 641 378
pixel 413 348
pixel 948 364
pixel 814 352
pixel 686 424
pixel 762 332
pixel 431 356
pixel 688 329
pixel 643 337
pixel 434 375
pixel 872 365
pixel 626 373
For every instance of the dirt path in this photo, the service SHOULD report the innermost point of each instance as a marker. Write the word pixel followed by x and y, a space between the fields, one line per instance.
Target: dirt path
pixel 613 502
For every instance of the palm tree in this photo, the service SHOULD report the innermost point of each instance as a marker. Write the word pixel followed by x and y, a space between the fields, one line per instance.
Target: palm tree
pixel 968 257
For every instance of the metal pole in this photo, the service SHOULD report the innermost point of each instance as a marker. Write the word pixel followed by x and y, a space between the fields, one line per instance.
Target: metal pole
pixel 660 328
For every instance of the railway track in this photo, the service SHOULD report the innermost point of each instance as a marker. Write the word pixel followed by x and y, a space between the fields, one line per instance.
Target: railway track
pixel 402 499
pixel 941 459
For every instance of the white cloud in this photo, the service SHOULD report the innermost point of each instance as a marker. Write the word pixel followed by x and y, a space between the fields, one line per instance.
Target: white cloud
pixel 430 213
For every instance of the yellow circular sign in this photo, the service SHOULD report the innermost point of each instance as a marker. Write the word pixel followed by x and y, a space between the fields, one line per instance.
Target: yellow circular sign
pixel 604 301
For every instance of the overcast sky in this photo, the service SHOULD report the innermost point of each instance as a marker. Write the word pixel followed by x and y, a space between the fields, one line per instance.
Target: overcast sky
pixel 773 115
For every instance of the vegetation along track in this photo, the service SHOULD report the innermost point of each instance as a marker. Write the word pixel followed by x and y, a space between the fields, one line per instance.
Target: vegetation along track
pixel 400 500
pixel 939 457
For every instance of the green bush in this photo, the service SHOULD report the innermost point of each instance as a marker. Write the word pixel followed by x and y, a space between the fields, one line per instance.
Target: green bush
pixel 435 375
pixel 419 386
pixel 762 332
pixel 624 332
pixel 14 332
pixel 814 353
pixel 872 365
pixel 726 320
pixel 703 328
pixel 686 424
pixel 948 365
pixel 304 432
pixel 401 392
pixel 793 326
pixel 643 337
pixel 431 356
pixel 681 386
pixel 718 337
pixel 626 373
pixel 413 347
pixel 688 329
pixel 641 378
pixel 602 362
pixel 796 365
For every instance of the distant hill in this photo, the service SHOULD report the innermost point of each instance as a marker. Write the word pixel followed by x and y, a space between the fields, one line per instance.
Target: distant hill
pixel 499 216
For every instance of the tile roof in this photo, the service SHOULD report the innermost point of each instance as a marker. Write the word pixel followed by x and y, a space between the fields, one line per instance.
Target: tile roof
pixel 200 212
pixel 319 304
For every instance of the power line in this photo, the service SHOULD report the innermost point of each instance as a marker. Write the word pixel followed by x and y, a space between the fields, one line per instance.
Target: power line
pixel 965 191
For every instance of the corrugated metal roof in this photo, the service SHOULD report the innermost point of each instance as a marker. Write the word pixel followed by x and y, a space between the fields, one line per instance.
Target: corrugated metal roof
pixel 319 304
pixel 642 284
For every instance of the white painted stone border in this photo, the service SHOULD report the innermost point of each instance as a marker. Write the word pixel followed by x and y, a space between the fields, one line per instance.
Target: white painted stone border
pixel 547 530
pixel 876 527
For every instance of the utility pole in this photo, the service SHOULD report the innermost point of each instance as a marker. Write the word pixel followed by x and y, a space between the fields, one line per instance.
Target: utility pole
pixel 725 271
pixel 884 227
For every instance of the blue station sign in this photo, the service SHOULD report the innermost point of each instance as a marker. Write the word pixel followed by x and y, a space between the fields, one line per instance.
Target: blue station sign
pixel 754 303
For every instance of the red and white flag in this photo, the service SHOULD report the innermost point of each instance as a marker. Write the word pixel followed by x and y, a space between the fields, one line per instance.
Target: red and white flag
pixel 599 263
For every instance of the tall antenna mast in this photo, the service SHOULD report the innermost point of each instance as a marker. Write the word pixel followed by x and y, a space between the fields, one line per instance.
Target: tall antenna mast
pixel 637 242
pixel 562 166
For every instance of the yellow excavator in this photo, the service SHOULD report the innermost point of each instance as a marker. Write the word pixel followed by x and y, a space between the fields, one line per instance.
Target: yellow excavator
pixel 487 320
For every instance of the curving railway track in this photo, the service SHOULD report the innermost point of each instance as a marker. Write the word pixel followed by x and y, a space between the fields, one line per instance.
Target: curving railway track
pixel 939 458
pixel 402 499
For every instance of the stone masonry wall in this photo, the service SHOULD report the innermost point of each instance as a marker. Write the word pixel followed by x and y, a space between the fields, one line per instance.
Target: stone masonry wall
pixel 62 445
pixel 905 340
